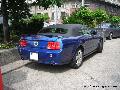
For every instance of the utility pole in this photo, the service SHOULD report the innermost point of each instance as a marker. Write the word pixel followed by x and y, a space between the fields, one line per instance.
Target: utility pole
pixel 55 14
pixel 83 2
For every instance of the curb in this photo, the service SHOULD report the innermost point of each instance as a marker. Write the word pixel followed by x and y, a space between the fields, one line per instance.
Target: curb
pixel 13 66
pixel 8 56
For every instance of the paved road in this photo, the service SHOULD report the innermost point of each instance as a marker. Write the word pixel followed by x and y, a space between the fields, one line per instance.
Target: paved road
pixel 98 72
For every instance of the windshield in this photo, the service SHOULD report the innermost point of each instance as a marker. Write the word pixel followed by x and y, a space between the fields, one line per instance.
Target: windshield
pixel 53 30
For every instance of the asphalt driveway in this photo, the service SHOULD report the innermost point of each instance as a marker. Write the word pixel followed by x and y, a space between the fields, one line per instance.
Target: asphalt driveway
pixel 98 72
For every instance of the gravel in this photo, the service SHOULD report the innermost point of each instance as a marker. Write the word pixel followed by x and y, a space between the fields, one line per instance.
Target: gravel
pixel 100 71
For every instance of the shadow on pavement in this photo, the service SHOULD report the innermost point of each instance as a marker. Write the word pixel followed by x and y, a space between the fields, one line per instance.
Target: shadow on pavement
pixel 90 56
pixel 54 68
pixel 48 68
pixel 12 78
pixel 7 88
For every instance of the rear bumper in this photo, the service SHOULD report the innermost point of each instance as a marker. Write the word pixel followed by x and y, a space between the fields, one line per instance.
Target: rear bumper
pixel 45 56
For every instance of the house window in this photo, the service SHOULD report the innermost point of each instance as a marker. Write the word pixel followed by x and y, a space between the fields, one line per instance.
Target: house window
pixel 63 14
pixel 39 7
pixel 52 18
pixel 74 5
pixel 38 13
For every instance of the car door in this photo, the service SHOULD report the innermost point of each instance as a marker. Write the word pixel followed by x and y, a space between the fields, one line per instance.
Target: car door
pixel 115 32
pixel 118 31
pixel 88 41
pixel 95 38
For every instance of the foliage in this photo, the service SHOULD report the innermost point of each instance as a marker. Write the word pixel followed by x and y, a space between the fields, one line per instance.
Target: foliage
pixel 47 3
pixel 71 19
pixel 13 10
pixel 87 17
pixel 40 17
pixel 115 20
pixel 30 25
pixel 6 46
pixel 100 16
pixel 81 16
pixel 17 9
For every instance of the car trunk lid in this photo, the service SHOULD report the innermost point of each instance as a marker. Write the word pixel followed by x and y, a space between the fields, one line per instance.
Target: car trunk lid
pixel 40 41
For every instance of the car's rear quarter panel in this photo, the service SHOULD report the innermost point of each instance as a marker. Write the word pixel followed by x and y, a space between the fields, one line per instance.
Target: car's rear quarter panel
pixel 70 46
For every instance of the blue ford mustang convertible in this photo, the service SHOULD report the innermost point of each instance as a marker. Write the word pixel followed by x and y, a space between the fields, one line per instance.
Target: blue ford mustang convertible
pixel 60 44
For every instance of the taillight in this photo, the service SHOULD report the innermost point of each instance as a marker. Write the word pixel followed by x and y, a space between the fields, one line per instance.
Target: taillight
pixel 23 43
pixel 53 45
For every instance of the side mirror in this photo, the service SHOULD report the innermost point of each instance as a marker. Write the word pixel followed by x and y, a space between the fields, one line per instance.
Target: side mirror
pixel 93 32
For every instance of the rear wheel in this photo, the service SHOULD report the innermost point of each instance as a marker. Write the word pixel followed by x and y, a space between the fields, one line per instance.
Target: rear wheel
pixel 78 59
pixel 110 36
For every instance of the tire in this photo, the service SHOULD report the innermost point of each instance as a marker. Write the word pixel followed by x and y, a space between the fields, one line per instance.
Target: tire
pixel 100 47
pixel 78 60
pixel 110 36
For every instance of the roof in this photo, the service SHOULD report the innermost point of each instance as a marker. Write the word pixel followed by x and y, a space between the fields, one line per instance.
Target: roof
pixel 66 26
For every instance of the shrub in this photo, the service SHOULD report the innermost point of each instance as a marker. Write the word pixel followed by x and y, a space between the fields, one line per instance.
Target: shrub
pixel 6 46
pixel 114 20
pixel 87 17
pixel 30 25
pixel 100 16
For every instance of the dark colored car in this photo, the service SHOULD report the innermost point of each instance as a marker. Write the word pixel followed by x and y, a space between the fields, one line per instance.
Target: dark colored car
pixel 111 31
pixel 61 44
pixel 1 84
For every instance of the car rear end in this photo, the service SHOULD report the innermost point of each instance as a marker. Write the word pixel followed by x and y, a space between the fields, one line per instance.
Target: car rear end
pixel 43 48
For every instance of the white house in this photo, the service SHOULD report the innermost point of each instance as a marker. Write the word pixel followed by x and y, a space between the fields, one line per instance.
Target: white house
pixel 56 13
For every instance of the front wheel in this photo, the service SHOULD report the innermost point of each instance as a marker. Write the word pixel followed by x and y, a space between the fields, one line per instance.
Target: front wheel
pixel 78 59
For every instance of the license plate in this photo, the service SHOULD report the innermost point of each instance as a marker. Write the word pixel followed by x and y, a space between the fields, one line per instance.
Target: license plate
pixel 33 56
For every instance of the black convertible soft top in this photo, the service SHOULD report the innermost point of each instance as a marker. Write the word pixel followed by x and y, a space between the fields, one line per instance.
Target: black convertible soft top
pixel 73 29
pixel 67 26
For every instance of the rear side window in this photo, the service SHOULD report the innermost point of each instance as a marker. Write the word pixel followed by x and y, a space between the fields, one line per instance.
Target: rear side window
pixel 84 32
pixel 53 30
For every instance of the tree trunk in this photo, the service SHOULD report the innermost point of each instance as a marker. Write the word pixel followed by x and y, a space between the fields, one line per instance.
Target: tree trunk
pixel 5 21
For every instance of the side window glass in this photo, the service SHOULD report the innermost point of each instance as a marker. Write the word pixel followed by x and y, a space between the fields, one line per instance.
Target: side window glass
pixel 119 26
pixel 86 32
pixel 81 32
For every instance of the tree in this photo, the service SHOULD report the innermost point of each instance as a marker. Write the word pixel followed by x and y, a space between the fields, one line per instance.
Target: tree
pixel 17 9
pixel 100 16
pixel 114 20
pixel 81 16
pixel 5 20
pixel 47 3
pixel 13 10
pixel 87 17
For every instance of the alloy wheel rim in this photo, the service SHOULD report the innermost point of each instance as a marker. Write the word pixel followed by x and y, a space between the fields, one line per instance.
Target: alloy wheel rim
pixel 111 36
pixel 79 57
